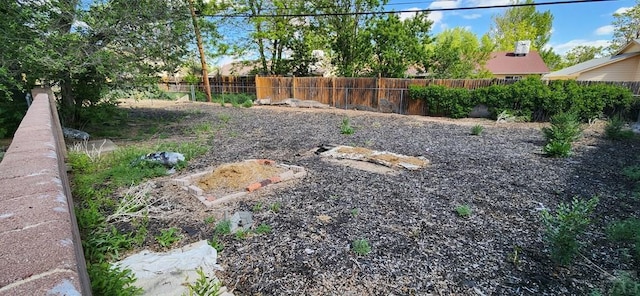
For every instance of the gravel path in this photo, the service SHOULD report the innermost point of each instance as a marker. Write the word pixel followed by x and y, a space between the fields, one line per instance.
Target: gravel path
pixel 419 245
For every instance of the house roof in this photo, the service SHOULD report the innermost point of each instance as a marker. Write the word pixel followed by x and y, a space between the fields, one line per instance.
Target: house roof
pixel 627 46
pixel 506 62
pixel 575 70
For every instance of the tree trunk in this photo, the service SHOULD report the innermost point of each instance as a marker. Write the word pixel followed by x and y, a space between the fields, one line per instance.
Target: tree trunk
pixel 203 58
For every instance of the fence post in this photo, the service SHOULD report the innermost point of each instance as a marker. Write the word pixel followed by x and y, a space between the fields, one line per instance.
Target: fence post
pixel 346 94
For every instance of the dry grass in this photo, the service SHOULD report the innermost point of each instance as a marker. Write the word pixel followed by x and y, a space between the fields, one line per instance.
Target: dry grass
pixel 237 175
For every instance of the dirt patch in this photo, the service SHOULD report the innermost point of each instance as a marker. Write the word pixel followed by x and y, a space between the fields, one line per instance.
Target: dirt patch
pixel 237 176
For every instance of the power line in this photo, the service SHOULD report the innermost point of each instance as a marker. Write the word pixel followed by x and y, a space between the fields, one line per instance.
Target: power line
pixel 245 15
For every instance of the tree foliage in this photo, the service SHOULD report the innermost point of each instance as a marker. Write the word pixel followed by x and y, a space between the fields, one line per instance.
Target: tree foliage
pixel 457 53
pixel 521 23
pixel 627 27
pixel 396 44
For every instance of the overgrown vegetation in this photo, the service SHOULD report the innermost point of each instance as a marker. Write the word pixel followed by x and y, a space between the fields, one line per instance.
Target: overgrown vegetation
pixel 564 130
pixel 627 231
pixel 236 100
pixel 203 286
pixel 615 129
pixel 94 180
pixel 564 227
pixel 529 98
pixel 168 237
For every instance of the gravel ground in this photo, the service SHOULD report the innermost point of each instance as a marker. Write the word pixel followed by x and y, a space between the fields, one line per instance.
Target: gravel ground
pixel 419 244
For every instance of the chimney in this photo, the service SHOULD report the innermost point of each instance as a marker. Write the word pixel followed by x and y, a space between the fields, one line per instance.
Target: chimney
pixel 522 48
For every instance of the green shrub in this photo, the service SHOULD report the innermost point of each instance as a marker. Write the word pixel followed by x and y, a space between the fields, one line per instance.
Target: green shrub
pixel 625 285
pixel 627 231
pixel 168 237
pixel 442 101
pixel 203 286
pixel 632 172
pixel 110 280
pixel 615 129
pixel 564 130
pixel 464 211
pixel 564 227
pixel 477 129
pixel 361 247
pixel 345 127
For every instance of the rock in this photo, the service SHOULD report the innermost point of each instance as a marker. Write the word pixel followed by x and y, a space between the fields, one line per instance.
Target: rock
pixel 309 251
pixel 266 101
pixel 636 127
pixel 168 159
pixel 74 134
pixel 385 106
pixel 242 220
pixel 480 111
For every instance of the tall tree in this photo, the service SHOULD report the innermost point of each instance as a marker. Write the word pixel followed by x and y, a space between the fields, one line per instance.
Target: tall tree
pixel 345 28
pixel 521 23
pixel 627 27
pixel 458 53
pixel 396 44
pixel 581 54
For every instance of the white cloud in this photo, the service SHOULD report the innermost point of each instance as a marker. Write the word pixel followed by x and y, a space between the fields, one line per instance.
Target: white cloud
pixel 407 15
pixel 472 16
pixel 435 16
pixel 604 30
pixel 488 2
pixel 622 9
pixel 445 4
pixel 562 48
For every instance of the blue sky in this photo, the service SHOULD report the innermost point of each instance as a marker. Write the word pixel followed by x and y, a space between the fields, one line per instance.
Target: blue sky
pixel 573 24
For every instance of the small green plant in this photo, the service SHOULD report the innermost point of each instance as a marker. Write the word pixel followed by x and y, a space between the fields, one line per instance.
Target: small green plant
pixel 168 237
pixel 557 148
pixel 632 172
pixel 257 207
pixel 625 285
pixel 627 231
pixel 223 227
pixel 346 128
pixel 361 247
pixel 247 104
pixel 209 220
pixel 355 212
pixel 477 130
pixel 463 211
pixel 263 229
pixel 202 128
pixel 225 118
pixel 242 234
pixel 564 227
pixel 275 207
pixel 203 286
pixel 615 129
pixel 564 130
pixel 215 243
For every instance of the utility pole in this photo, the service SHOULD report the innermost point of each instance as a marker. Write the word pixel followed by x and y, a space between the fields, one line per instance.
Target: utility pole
pixel 203 60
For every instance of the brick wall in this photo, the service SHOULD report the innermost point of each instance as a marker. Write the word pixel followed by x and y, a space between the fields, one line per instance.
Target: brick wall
pixel 40 247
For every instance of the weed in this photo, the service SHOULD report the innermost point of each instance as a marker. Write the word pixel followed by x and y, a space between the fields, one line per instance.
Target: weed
pixel 233 134
pixel 202 128
pixel 368 143
pixel 632 172
pixel 514 257
pixel 627 231
pixel 355 212
pixel 463 211
pixel 209 220
pixel 163 135
pixel 225 118
pixel 275 207
pixel 625 285
pixel 168 236
pixel 346 128
pixel 215 243
pixel 109 280
pixel 361 247
pixel 477 130
pixel 257 207
pixel 247 104
pixel 223 227
pixel 615 129
pixel 564 130
pixel 263 229
pixel 203 286
pixel 564 227
pixel 242 234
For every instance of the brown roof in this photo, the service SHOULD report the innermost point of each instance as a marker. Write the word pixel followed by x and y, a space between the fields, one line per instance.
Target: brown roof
pixel 505 62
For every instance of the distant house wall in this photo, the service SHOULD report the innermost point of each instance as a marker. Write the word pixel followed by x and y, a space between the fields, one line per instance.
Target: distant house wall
pixel 511 76
pixel 625 70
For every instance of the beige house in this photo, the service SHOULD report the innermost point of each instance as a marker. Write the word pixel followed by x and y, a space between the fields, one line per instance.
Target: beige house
pixel 624 65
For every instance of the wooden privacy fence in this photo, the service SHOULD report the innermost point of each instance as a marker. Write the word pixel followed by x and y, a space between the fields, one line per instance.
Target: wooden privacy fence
pixel 218 84
pixel 373 94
